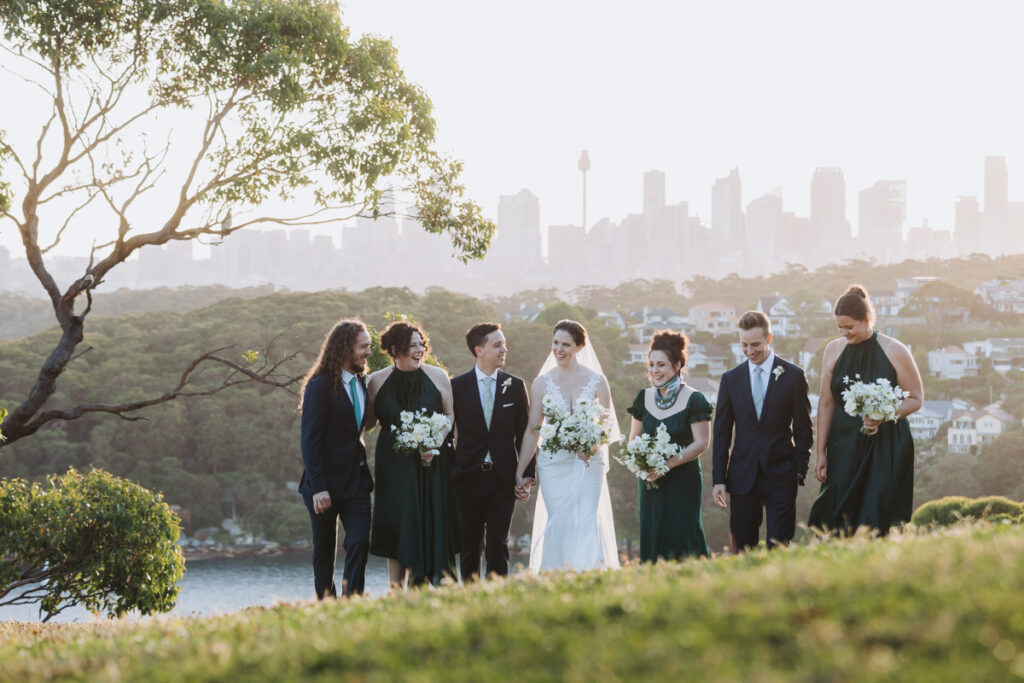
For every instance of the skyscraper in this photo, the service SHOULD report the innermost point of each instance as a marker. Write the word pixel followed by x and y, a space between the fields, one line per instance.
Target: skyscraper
pixel 654 192
pixel 997 185
pixel 518 237
pixel 727 210
pixel 883 209
pixel 967 225
pixel 764 222
pixel 829 229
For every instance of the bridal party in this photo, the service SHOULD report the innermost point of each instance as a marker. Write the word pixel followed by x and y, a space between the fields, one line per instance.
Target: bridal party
pixel 455 455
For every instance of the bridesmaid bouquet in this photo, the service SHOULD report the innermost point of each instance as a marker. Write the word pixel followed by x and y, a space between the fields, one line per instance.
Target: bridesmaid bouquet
pixel 645 454
pixel 580 431
pixel 878 400
pixel 421 432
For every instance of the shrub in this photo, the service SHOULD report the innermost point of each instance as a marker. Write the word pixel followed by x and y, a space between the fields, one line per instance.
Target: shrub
pixel 90 539
pixel 951 509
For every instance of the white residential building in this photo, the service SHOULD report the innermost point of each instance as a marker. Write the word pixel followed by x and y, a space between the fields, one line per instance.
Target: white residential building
pixel 925 423
pixel 715 318
pixel 973 429
pixel 952 362
pixel 1006 296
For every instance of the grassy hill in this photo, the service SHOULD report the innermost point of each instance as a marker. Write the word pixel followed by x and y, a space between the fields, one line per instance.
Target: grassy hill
pixel 947 606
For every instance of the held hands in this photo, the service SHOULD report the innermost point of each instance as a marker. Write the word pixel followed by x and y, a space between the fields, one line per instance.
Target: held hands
pixel 718 493
pixel 522 490
pixel 321 502
pixel 871 425
pixel 427 456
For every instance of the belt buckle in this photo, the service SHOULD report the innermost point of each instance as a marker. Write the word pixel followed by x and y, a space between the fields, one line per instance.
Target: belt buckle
pixel 486 466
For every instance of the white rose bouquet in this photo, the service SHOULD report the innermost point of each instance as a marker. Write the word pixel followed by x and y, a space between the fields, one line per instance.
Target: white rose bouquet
pixel 580 431
pixel 878 400
pixel 645 454
pixel 421 432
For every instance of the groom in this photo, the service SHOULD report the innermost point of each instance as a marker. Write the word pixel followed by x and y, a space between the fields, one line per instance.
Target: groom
pixel 764 399
pixel 491 411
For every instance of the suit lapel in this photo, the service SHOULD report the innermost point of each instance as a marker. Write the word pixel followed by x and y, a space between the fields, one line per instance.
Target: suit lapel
pixel 472 390
pixel 346 403
pixel 772 381
pixel 746 391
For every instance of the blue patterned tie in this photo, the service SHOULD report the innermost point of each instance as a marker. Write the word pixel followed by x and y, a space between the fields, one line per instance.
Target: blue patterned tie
pixel 758 391
pixel 355 401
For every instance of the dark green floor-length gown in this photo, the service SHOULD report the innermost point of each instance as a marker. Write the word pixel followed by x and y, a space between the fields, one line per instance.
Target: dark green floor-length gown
pixel 670 521
pixel 415 520
pixel 870 478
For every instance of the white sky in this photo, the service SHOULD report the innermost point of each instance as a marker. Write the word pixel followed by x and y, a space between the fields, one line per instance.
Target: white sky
pixel 912 90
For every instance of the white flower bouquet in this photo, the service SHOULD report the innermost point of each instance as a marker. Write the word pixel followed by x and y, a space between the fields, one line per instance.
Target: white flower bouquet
pixel 421 432
pixel 645 454
pixel 587 427
pixel 878 400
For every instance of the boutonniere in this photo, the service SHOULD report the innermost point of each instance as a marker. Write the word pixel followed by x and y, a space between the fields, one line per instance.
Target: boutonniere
pixel 505 385
pixel 778 372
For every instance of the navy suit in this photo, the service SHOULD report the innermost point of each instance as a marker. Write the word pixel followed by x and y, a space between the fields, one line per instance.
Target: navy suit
pixel 486 496
pixel 334 458
pixel 768 456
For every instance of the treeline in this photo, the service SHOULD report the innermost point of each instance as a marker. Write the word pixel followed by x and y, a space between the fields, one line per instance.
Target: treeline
pixel 232 453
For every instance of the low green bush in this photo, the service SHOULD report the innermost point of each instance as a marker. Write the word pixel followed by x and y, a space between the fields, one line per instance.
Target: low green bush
pixel 90 539
pixel 952 509
pixel 941 606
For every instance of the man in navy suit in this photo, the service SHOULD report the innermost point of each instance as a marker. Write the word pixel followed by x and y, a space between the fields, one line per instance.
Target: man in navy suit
pixel 336 481
pixel 491 411
pixel 764 401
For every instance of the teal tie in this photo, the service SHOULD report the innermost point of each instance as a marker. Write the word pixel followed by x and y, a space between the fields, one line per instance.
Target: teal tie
pixel 355 401
pixel 488 400
pixel 758 391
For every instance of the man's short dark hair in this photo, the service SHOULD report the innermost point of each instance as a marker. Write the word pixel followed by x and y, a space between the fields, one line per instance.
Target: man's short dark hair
pixel 752 319
pixel 477 334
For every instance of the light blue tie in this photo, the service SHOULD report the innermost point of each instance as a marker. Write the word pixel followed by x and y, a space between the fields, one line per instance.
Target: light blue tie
pixel 355 401
pixel 488 400
pixel 758 391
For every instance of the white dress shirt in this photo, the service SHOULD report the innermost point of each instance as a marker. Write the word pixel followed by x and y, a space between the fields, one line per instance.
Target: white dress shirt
pixel 481 388
pixel 346 380
pixel 766 367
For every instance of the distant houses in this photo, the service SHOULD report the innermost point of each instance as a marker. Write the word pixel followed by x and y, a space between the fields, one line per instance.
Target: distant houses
pixel 972 429
pixel 1006 296
pixel 957 362
pixel 715 318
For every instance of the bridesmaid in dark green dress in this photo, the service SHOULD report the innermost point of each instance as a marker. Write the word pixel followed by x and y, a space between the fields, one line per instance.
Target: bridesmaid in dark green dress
pixel 867 480
pixel 670 518
pixel 415 521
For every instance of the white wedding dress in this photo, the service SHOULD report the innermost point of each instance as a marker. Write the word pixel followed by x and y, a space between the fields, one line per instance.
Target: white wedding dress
pixel 572 526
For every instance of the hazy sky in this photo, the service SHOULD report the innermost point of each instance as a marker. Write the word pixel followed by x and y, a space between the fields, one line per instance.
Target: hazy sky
pixel 921 91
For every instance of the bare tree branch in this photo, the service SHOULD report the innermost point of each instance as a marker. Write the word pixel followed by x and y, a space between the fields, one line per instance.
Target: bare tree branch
pixel 267 375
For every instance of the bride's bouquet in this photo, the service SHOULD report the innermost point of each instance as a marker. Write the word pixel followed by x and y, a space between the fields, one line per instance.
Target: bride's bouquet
pixel 421 432
pixel 878 400
pixel 580 431
pixel 645 454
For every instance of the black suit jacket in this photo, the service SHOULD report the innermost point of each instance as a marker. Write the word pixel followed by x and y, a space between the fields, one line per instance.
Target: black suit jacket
pixel 333 453
pixel 505 437
pixel 779 443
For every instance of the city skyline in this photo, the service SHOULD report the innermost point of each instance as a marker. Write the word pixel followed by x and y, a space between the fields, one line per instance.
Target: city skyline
pixel 750 236
pixel 913 90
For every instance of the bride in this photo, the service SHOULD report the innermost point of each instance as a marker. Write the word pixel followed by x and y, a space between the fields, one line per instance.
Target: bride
pixel 572 524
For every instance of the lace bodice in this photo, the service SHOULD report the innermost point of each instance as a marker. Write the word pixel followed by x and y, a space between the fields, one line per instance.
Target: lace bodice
pixel 589 391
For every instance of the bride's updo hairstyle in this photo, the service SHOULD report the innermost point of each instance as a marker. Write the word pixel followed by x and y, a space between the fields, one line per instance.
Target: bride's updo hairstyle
pixel 574 329
pixel 855 304
pixel 672 344
pixel 396 338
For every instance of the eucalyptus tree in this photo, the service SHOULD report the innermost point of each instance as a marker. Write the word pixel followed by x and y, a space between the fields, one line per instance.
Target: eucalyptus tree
pixel 165 121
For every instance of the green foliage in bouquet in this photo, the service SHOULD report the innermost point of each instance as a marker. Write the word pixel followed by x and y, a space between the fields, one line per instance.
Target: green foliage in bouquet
pixel 87 539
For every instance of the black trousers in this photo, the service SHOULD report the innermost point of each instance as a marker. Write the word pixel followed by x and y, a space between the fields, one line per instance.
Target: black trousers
pixel 354 514
pixel 775 497
pixel 485 512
